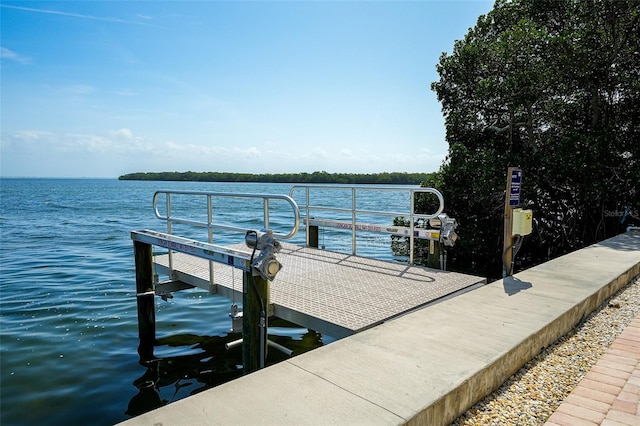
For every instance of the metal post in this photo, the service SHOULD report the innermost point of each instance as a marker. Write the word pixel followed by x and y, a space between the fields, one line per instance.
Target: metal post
pixel 306 214
pixel 353 221
pixel 210 235
pixel 169 231
pixel 412 241
pixel 145 296
pixel 254 322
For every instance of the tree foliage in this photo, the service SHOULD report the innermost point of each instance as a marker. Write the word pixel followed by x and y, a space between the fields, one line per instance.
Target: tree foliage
pixel 553 87
pixel 394 178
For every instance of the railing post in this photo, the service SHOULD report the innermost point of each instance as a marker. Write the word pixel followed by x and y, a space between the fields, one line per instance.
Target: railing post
pixel 306 217
pixel 354 206
pixel 145 297
pixel 210 235
pixel 266 213
pixel 169 230
pixel 255 307
pixel 412 242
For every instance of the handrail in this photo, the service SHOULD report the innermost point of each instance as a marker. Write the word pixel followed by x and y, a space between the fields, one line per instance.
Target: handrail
pixel 226 227
pixel 209 223
pixel 413 216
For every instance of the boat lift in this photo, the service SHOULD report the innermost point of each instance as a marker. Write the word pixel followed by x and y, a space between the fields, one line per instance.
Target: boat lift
pixel 442 227
pixel 257 270
pixel 258 263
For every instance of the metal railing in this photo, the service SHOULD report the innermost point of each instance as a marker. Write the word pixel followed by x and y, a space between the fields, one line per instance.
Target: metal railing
pixel 209 224
pixel 411 215
pixel 210 196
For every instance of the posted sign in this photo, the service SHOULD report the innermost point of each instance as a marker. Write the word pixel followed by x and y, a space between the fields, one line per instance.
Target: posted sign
pixel 514 193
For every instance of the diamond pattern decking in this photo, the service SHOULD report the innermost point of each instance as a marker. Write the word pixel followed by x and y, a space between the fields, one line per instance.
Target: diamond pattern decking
pixel 333 293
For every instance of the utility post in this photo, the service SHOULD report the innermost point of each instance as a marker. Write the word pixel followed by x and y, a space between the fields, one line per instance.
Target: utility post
pixel 511 201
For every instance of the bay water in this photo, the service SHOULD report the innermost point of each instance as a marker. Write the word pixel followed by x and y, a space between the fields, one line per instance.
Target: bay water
pixel 68 316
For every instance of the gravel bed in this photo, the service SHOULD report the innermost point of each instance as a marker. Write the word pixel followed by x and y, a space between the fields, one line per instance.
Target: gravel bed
pixel 531 395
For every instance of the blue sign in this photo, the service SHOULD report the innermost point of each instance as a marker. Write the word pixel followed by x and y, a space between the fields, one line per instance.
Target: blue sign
pixel 516 180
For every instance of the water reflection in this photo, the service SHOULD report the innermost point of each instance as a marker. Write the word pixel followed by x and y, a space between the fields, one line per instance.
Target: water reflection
pixel 182 365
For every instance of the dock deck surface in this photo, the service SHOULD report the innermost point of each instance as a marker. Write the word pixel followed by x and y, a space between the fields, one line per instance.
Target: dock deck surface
pixel 333 293
pixel 426 367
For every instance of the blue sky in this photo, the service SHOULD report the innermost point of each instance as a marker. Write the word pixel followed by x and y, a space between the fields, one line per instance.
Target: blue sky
pixel 103 88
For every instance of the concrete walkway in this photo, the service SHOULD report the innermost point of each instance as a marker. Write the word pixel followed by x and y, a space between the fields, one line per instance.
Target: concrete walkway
pixel 609 394
pixel 426 367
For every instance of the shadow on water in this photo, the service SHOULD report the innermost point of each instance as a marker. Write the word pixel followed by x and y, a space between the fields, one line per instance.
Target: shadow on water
pixel 203 362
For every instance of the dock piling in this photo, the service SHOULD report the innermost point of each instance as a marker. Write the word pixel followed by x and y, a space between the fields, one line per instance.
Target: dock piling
pixel 145 297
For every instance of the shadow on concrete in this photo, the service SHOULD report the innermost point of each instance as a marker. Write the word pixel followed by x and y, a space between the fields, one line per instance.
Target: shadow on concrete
pixel 627 241
pixel 514 285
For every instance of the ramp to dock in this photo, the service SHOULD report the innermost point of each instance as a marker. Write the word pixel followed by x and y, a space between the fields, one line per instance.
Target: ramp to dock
pixel 426 367
pixel 333 293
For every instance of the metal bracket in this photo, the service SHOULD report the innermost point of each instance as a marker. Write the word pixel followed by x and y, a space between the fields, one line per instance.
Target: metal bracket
pixel 165 289
pixel 236 319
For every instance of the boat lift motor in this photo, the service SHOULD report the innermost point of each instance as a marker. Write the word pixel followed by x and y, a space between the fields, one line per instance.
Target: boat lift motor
pixel 265 264
pixel 447 226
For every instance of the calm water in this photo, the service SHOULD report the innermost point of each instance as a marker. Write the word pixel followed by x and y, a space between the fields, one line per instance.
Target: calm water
pixel 69 335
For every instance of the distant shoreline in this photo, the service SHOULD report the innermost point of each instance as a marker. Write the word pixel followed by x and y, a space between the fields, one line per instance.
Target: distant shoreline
pixel 394 178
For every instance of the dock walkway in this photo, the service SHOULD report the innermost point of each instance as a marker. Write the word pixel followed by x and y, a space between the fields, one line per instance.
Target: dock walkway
pixel 426 367
pixel 332 293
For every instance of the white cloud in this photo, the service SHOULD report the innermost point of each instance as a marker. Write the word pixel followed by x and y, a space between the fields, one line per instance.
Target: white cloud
pixel 80 15
pixel 121 141
pixel 74 89
pixel 126 134
pixel 13 56
pixel 252 152
pixel 86 143
pixel 121 150
pixel 31 135
pixel 315 153
pixel 199 152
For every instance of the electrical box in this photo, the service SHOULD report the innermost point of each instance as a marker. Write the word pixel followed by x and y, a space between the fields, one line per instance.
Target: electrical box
pixel 521 222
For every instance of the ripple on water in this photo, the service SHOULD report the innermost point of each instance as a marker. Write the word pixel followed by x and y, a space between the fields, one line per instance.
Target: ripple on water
pixel 68 307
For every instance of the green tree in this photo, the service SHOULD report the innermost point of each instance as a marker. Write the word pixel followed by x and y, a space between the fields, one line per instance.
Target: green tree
pixel 395 178
pixel 554 88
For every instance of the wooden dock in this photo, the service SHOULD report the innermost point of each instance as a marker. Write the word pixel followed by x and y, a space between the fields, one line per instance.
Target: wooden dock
pixel 333 293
